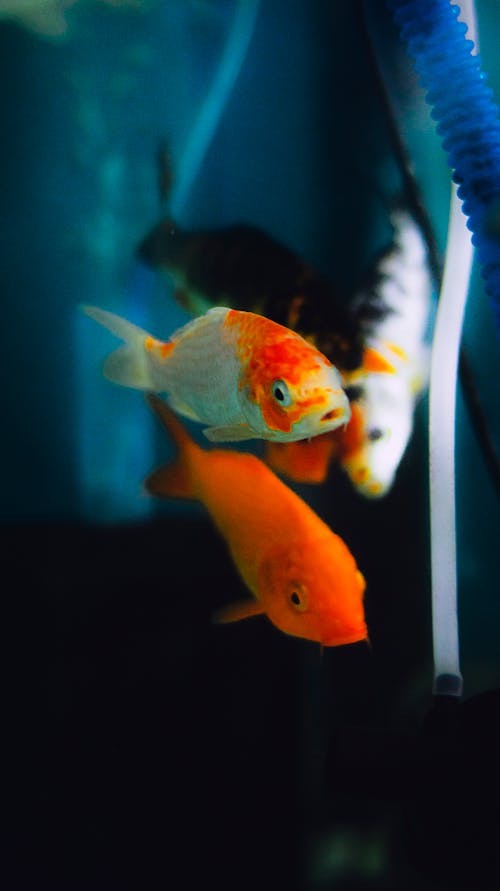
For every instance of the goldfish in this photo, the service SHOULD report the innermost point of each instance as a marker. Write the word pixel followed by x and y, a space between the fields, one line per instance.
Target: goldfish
pixel 246 268
pixel 302 575
pixel 309 460
pixel 242 374
pixel 395 316
pixel 386 403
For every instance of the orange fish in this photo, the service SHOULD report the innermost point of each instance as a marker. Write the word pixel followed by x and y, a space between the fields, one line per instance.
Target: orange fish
pixel 303 577
pixel 309 460
pixel 242 374
pixel 370 448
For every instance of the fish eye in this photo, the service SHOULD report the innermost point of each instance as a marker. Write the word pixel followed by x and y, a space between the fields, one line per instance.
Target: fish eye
pixel 281 392
pixel 375 434
pixel 354 392
pixel 298 597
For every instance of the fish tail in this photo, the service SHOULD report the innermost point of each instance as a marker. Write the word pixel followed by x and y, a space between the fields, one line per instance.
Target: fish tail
pixel 174 480
pixel 129 365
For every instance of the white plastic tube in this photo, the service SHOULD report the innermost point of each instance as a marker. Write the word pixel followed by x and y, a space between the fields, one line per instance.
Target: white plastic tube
pixel 442 400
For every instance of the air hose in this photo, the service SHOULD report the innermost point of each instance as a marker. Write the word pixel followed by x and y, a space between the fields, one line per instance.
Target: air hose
pixel 467 120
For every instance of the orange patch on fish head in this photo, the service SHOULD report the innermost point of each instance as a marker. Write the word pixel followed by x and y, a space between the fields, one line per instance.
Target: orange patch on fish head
pixel 273 375
pixel 314 590
pixel 287 378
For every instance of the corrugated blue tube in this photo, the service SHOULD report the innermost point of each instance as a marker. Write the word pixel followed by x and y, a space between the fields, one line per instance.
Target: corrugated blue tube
pixel 467 120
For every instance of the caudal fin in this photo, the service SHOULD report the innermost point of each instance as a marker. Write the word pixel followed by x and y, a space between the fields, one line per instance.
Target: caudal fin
pixel 128 365
pixel 172 480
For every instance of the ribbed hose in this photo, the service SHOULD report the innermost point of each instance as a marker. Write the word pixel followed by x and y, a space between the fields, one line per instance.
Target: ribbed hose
pixel 468 122
pixel 443 58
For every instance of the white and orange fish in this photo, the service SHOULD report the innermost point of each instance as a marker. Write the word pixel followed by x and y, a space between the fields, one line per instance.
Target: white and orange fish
pixel 386 405
pixel 302 576
pixel 241 374
pixel 370 448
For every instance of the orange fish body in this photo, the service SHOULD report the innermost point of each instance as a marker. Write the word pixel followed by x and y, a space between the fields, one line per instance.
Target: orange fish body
pixel 309 460
pixel 302 575
pixel 241 374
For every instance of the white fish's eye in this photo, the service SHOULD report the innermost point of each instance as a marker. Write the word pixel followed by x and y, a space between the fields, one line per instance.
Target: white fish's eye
pixel 375 434
pixel 281 393
pixel 354 393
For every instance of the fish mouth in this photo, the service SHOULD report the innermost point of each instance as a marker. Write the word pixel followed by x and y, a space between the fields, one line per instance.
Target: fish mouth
pixel 333 414
pixel 341 640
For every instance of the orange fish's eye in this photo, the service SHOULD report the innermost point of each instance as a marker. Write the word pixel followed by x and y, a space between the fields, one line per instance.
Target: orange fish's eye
pixel 298 597
pixel 281 393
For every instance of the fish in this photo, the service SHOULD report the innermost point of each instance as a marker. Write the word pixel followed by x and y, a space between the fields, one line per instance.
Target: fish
pixel 302 576
pixel 396 313
pixel 244 267
pixel 398 318
pixel 308 460
pixel 241 374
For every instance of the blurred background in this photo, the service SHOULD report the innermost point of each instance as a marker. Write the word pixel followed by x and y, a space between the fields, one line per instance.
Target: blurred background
pixel 147 747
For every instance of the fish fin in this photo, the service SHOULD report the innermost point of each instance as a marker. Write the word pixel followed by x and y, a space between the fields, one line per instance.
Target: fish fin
pixel 172 424
pixel 397 350
pixel 200 322
pixel 183 409
pixel 181 296
pixel 128 368
pixel 171 481
pixel 375 362
pixel 234 433
pixel 128 365
pixel 306 461
pixel 234 612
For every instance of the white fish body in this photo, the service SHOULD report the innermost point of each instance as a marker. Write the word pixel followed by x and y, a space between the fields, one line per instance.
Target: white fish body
pixel 228 369
pixel 201 372
pixel 388 400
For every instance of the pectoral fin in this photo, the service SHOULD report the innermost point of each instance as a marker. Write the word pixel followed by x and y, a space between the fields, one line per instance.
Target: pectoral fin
pixel 234 433
pixel 243 609
pixel 170 481
pixel 182 409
